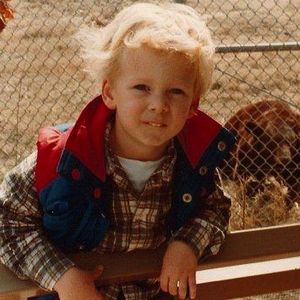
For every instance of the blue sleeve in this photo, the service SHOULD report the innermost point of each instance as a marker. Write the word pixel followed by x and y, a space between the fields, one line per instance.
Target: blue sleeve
pixel 71 217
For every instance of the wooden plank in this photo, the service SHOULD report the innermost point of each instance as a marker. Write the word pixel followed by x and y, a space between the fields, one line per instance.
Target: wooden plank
pixel 21 295
pixel 258 244
pixel 13 288
pixel 249 286
pixel 240 247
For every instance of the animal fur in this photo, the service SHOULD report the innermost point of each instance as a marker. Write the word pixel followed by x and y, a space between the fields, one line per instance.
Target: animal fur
pixel 268 143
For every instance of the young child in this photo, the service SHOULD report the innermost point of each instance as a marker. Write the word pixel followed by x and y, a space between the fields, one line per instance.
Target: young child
pixel 138 167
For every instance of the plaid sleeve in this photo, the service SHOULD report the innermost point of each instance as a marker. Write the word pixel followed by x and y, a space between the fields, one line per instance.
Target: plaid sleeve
pixel 24 247
pixel 206 232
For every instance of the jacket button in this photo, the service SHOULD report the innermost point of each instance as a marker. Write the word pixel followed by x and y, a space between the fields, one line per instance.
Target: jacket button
pixel 187 198
pixel 97 193
pixel 75 174
pixel 203 170
pixel 221 146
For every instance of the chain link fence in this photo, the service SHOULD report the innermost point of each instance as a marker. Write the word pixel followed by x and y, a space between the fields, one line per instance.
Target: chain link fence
pixel 258 58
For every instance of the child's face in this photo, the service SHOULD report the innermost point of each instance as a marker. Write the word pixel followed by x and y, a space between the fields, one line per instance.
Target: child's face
pixel 152 95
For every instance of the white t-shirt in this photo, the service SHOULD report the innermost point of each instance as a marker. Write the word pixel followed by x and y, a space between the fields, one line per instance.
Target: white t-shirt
pixel 138 171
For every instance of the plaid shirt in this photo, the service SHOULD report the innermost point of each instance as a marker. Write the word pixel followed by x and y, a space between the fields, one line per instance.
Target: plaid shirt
pixel 137 222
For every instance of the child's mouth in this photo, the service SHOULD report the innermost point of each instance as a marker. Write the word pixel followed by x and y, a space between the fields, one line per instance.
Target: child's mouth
pixel 154 124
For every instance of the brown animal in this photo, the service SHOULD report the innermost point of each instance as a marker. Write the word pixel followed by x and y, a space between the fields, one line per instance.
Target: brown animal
pixel 268 143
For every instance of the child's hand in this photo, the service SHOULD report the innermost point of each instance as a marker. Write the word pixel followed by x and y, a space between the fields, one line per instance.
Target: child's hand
pixel 179 266
pixel 77 284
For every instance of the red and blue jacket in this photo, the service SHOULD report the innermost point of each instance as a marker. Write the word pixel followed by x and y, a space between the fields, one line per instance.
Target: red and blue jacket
pixel 71 178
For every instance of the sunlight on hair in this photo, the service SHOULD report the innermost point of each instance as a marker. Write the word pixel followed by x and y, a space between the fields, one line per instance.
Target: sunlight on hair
pixel 168 28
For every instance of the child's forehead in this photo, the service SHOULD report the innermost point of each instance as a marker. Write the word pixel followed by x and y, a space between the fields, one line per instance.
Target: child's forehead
pixel 149 65
pixel 134 58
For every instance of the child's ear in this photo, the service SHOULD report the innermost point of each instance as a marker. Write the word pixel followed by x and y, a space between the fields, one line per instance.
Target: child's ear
pixel 107 96
pixel 193 108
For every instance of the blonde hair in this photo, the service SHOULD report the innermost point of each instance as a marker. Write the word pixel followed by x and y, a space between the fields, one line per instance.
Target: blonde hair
pixel 168 28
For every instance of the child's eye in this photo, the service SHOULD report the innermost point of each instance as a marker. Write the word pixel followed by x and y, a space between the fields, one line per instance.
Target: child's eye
pixel 142 87
pixel 176 91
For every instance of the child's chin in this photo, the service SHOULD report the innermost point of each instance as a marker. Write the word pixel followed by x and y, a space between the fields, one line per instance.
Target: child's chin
pixel 157 143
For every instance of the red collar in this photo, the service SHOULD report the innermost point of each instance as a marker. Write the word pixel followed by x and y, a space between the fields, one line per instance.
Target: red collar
pixel 86 139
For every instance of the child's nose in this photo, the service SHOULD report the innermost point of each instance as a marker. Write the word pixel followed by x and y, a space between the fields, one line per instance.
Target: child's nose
pixel 158 104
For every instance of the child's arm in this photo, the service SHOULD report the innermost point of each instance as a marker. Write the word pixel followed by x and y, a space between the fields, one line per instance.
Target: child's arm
pixel 77 284
pixel 200 236
pixel 24 248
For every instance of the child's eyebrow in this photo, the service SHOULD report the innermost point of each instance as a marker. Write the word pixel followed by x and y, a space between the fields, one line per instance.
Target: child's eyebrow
pixel 180 80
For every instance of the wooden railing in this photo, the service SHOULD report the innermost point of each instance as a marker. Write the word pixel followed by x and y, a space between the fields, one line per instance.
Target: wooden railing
pixel 250 262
